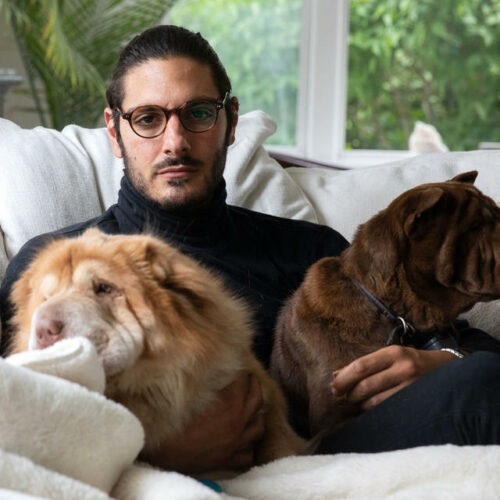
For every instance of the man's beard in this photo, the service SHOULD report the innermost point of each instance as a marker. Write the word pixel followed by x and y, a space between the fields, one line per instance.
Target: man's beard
pixel 195 203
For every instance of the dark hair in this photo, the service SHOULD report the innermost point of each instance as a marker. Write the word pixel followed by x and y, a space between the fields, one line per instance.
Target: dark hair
pixel 163 42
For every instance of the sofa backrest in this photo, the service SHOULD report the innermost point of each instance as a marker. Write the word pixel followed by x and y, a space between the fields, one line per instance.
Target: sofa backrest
pixel 343 199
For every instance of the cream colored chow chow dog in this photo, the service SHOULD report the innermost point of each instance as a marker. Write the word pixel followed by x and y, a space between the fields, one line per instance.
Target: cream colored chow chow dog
pixel 169 334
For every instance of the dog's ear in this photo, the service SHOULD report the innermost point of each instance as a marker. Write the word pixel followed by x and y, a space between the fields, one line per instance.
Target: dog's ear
pixel 468 177
pixel 372 254
pixel 95 234
pixel 157 257
pixel 176 272
pixel 152 257
pixel 420 203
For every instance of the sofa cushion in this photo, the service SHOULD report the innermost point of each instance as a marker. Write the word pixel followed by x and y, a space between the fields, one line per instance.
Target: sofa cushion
pixel 343 199
pixel 257 181
pixel 47 181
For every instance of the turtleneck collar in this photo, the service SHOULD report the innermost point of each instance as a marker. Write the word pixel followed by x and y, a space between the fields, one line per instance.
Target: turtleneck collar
pixel 136 214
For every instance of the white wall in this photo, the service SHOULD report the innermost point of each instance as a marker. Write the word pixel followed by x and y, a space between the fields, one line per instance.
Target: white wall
pixel 18 105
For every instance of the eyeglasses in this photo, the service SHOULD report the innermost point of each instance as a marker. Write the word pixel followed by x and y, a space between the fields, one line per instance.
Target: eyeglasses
pixel 150 121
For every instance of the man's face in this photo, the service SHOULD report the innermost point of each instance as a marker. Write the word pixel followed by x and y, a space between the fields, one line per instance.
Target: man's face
pixel 179 169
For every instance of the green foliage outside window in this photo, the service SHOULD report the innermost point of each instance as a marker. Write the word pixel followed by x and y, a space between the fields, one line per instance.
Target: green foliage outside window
pixel 437 61
pixel 429 60
pixel 70 47
pixel 258 43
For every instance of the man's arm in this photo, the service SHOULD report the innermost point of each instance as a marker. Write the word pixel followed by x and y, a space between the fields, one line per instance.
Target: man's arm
pixel 371 379
pixel 223 438
pixel 16 267
pixel 472 339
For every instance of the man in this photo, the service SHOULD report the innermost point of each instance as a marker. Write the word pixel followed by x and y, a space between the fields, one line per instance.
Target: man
pixel 171 118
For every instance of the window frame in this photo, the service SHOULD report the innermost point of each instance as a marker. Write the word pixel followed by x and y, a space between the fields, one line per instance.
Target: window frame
pixel 322 99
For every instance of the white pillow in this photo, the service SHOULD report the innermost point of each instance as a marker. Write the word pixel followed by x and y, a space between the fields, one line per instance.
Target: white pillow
pixel 257 181
pixel 343 199
pixel 51 179
pixel 48 181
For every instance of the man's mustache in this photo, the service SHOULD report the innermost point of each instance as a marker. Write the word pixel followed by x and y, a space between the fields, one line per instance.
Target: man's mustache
pixel 174 162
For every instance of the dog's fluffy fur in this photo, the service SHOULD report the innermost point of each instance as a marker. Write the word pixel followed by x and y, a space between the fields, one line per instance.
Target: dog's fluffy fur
pixel 431 255
pixel 169 334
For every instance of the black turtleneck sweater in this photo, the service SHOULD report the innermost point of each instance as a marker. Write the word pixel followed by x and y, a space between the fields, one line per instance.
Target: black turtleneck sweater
pixel 261 258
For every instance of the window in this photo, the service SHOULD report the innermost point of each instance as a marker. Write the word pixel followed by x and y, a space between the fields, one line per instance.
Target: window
pixel 258 42
pixel 433 61
pixel 346 81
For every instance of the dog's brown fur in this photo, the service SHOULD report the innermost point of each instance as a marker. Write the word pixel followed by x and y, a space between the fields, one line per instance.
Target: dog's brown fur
pixel 431 255
pixel 169 334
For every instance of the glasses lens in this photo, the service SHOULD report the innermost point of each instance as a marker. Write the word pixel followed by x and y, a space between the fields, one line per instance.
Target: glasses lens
pixel 199 116
pixel 148 121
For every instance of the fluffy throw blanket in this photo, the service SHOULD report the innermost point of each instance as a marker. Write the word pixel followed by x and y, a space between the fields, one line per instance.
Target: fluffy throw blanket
pixel 62 439
pixel 57 435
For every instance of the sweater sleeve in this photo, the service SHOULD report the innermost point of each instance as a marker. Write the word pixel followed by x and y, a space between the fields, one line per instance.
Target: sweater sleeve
pixel 472 339
pixel 16 267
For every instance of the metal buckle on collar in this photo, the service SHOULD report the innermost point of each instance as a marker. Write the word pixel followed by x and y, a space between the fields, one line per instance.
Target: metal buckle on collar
pixel 401 334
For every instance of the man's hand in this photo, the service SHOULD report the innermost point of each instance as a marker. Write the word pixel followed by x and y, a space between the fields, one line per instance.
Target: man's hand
pixel 223 438
pixel 371 379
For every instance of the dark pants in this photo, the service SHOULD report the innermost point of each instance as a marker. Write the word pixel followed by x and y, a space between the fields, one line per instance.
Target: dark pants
pixel 459 403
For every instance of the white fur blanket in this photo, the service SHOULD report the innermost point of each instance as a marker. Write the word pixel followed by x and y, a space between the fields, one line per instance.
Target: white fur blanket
pixel 422 473
pixel 426 472
pixel 61 440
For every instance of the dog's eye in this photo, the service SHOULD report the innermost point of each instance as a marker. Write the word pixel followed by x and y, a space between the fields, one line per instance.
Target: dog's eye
pixel 103 288
pixel 476 225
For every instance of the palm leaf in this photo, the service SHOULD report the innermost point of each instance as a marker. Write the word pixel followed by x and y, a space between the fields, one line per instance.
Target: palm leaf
pixel 72 46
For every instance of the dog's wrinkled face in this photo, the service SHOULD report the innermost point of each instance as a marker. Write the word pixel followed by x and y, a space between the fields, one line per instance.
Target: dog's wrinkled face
pixel 115 290
pixel 444 238
pixel 453 237
pixel 87 301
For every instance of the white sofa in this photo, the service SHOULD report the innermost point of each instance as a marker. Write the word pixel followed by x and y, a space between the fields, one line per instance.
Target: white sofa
pixel 50 179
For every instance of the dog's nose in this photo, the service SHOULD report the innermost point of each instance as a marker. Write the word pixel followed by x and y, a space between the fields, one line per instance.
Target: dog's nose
pixel 48 330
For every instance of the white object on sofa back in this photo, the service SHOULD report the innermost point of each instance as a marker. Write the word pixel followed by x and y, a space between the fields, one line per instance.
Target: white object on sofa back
pixel 51 179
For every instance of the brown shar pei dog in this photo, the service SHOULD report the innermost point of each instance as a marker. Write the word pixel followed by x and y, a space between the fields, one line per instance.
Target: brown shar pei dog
pixel 169 334
pixel 409 272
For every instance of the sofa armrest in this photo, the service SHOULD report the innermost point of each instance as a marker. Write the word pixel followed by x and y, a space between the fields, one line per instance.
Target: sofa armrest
pixel 288 160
